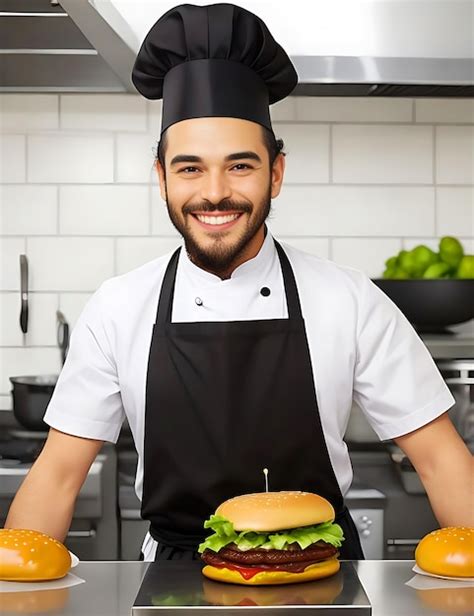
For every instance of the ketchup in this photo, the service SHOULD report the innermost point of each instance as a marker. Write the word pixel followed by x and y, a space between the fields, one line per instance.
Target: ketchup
pixel 246 572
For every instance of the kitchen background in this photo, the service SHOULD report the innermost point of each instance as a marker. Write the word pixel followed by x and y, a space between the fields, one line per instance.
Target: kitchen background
pixel 365 178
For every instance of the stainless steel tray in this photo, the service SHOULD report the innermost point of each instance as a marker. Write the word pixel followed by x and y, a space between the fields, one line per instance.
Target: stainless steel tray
pixel 178 587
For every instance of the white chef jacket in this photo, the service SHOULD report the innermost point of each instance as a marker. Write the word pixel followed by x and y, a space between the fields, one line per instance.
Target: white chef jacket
pixel 362 348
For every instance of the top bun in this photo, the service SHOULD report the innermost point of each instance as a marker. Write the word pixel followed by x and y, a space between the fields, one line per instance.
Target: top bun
pixel 269 511
pixel 447 551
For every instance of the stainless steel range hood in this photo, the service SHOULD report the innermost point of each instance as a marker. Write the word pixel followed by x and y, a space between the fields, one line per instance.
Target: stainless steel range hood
pixel 409 48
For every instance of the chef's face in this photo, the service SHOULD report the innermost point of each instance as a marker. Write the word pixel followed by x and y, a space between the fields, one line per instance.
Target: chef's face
pixel 218 184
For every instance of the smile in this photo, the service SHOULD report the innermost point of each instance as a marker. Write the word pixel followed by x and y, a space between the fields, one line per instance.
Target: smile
pixel 221 221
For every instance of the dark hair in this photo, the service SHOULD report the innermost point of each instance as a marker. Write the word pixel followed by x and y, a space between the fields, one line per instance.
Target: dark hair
pixel 273 145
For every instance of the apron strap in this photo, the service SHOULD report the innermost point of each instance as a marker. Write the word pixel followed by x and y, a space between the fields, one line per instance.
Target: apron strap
pixel 291 290
pixel 167 292
pixel 163 314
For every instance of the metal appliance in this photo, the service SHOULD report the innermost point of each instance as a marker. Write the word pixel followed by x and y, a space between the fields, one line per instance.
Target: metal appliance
pixel 355 48
pixel 366 506
pixel 94 530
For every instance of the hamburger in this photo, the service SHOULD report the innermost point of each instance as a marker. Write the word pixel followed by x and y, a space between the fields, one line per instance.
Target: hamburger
pixel 31 556
pixel 448 552
pixel 272 538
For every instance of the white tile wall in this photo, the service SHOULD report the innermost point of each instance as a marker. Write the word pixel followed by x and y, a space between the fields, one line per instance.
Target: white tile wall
pixel 382 154
pixel 12 158
pixel 30 112
pixel 41 320
pixel 455 154
pixel 69 263
pixel 450 111
pixel 318 246
pixel 121 112
pixel 133 252
pixel 11 249
pixel 161 224
pixel 104 210
pixel 354 211
pixel 455 211
pixel 365 177
pixel 135 158
pixel 307 148
pixel 368 254
pixel 58 158
pixel 28 210
pixel 335 109
pixel 72 304
pixel 284 110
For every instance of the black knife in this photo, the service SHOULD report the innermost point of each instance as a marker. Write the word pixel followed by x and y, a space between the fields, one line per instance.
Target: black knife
pixel 24 293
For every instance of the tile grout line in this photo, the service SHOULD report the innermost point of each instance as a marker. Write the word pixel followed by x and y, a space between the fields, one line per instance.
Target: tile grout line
pixel 114 159
pixel 58 208
pixel 26 150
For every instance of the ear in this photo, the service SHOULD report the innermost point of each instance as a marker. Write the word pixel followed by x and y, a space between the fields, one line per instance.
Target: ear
pixel 161 179
pixel 278 170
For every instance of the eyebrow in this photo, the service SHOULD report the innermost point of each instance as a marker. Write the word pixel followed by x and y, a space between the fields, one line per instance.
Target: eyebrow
pixel 192 158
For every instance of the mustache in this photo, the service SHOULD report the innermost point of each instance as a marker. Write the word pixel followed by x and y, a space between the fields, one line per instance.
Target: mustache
pixel 226 205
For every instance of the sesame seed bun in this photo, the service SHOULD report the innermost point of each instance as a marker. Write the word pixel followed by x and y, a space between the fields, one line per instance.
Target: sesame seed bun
pixel 31 556
pixel 447 551
pixel 313 572
pixel 271 511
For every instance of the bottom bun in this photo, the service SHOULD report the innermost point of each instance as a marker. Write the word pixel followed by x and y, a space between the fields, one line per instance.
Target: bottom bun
pixel 313 572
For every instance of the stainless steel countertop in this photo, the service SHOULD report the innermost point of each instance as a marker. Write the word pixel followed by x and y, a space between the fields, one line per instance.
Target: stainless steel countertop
pixel 110 589
pixel 458 345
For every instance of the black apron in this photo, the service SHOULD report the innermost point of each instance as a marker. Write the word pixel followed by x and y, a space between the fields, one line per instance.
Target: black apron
pixel 223 401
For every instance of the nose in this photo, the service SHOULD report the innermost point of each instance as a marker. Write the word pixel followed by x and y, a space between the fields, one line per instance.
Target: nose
pixel 215 187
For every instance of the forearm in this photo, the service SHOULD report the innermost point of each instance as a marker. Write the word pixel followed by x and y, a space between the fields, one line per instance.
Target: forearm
pixel 450 488
pixel 42 503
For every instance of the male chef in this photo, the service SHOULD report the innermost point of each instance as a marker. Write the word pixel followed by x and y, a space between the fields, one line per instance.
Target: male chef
pixel 235 352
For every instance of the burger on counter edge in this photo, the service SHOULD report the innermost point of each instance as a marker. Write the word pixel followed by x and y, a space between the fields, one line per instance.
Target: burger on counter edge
pixel 272 538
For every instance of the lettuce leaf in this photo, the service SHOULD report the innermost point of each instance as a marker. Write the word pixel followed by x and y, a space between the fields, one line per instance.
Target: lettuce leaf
pixel 224 533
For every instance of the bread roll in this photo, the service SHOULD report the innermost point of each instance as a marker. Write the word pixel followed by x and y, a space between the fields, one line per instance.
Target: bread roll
pixel 31 556
pixel 447 551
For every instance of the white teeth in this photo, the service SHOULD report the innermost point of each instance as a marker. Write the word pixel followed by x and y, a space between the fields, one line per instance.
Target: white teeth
pixel 217 220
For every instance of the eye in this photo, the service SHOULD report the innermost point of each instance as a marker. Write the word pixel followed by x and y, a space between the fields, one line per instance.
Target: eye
pixel 242 166
pixel 188 170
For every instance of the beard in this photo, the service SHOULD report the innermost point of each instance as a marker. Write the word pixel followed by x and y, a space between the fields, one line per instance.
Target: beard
pixel 219 257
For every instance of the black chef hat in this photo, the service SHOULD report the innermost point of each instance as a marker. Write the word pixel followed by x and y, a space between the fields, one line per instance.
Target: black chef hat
pixel 214 60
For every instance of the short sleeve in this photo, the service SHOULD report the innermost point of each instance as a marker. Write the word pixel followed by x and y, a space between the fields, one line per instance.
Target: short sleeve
pixel 396 382
pixel 86 401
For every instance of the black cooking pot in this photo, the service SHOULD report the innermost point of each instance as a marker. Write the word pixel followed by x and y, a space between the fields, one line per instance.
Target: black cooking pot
pixel 431 305
pixel 31 396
